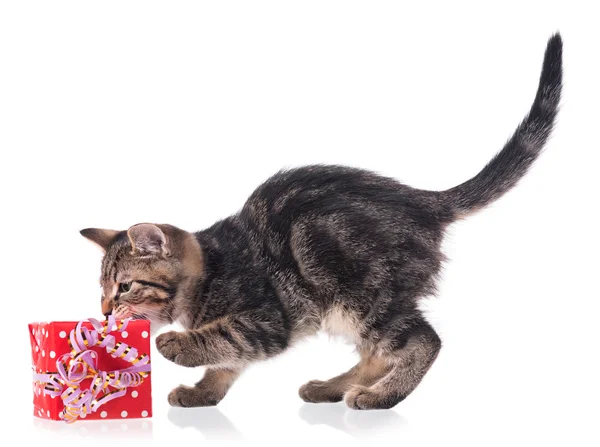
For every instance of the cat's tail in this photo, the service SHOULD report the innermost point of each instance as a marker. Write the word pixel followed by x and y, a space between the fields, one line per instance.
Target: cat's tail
pixel 514 160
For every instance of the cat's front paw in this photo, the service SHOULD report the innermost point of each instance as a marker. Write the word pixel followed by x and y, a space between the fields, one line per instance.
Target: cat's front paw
pixel 188 396
pixel 319 391
pixel 179 348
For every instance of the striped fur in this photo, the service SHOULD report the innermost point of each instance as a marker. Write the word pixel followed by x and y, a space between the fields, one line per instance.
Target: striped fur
pixel 319 247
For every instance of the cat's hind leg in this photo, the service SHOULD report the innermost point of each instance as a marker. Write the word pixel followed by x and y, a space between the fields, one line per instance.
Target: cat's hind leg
pixel 409 352
pixel 368 371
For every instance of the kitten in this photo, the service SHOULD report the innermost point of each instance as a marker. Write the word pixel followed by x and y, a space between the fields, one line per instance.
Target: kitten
pixel 318 247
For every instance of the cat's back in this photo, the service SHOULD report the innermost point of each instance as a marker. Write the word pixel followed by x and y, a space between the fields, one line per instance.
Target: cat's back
pixel 321 190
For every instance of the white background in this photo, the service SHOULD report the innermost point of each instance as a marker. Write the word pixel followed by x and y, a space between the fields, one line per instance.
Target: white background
pixel 114 113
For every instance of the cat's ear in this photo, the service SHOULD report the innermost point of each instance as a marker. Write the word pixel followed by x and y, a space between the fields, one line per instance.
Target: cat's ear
pixel 103 238
pixel 148 239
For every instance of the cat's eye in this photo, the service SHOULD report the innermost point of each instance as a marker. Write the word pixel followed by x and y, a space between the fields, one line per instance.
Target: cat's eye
pixel 124 287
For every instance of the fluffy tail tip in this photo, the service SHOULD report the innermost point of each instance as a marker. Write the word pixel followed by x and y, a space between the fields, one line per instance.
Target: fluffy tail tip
pixel 552 68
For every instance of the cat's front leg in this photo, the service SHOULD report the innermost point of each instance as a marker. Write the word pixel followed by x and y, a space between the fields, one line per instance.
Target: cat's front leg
pixel 180 348
pixel 197 348
pixel 224 342
pixel 208 391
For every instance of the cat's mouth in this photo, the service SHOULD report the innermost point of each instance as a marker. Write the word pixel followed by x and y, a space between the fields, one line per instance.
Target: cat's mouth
pixel 122 312
pixel 127 311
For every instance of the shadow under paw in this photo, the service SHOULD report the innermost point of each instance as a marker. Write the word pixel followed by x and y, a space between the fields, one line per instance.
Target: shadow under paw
pixel 213 424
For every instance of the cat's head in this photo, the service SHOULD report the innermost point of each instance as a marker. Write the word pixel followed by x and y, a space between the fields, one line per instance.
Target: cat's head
pixel 147 271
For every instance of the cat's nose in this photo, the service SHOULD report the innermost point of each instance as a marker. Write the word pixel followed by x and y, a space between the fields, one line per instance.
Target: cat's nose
pixel 107 307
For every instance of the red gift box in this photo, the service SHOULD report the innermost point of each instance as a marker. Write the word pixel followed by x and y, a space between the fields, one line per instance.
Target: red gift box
pixel 56 344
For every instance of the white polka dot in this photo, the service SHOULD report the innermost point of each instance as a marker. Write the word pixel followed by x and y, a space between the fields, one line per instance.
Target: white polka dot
pixel 62 334
pixel 48 413
pixel 103 414
pixel 145 334
pixel 124 414
pixel 40 413
pixel 43 331
pixel 43 353
pixel 124 334
pixel 37 348
pixel 83 416
pixel 33 331
pixel 115 327
pixel 47 332
pixel 144 414
pixel 134 394
pixel 52 354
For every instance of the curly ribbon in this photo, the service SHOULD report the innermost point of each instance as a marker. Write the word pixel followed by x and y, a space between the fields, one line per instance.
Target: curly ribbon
pixel 82 363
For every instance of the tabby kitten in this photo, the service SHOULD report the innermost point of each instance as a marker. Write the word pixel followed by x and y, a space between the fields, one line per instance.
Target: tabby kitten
pixel 318 247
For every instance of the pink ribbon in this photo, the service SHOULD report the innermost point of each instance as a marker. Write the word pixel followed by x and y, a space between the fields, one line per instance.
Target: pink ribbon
pixel 82 363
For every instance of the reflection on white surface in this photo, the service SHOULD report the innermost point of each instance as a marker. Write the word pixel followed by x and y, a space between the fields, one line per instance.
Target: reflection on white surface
pixel 353 422
pixel 209 421
pixel 140 429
